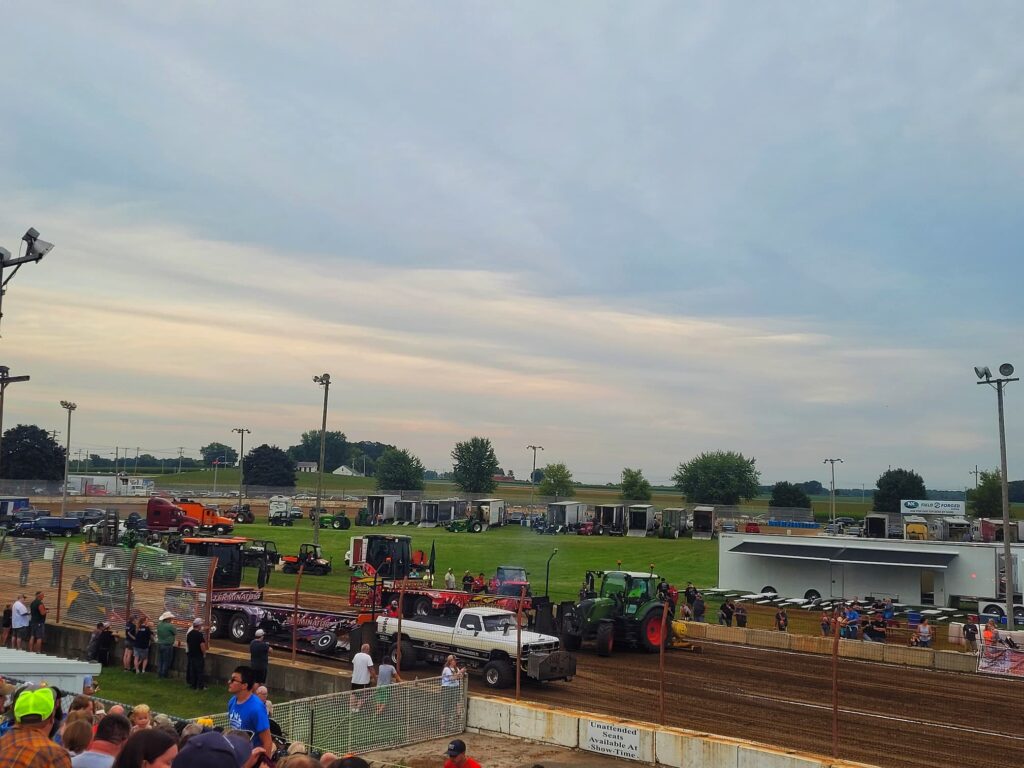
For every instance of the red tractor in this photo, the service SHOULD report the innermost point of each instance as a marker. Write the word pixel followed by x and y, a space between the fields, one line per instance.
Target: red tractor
pixel 509 580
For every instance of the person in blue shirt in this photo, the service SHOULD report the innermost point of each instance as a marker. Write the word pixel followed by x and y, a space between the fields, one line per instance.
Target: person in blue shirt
pixel 245 711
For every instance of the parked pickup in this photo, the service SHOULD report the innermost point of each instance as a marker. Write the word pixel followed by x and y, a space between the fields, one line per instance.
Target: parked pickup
pixel 484 639
pixel 59 526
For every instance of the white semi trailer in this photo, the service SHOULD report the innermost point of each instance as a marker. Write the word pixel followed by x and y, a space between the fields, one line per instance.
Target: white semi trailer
pixel 916 572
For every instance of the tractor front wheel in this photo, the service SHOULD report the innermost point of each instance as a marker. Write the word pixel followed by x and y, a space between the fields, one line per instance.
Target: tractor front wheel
pixel 605 639
pixel 651 637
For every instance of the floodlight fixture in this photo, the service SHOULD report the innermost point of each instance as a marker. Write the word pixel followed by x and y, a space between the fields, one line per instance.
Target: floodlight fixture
pixel 1006 369
pixel 982 372
pixel 324 380
pixel 69 407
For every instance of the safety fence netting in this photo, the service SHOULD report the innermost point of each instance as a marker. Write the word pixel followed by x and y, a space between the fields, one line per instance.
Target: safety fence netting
pixel 380 717
pixel 86 584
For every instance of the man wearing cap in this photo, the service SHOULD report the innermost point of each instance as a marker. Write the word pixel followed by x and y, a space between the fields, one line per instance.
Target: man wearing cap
pixel 259 656
pixel 457 757
pixel 20 618
pixel 28 744
pixel 165 639
pixel 195 652
pixel 215 750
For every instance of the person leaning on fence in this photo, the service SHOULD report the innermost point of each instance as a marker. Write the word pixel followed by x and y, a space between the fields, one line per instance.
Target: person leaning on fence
pixel 386 675
pixel 21 617
pixel 451 690
pixel 128 658
pixel 166 637
pixel 259 656
pixel 143 641
pixel 781 620
pixel 105 646
pixel 195 653
pixel 741 615
pixel 38 610
pixel 28 744
pixel 923 635
pixel 699 608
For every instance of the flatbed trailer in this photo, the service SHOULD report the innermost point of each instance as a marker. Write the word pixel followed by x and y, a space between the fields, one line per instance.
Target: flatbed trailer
pixel 369 592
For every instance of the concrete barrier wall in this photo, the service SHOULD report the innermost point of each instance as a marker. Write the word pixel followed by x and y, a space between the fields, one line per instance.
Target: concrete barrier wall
pixel 672 747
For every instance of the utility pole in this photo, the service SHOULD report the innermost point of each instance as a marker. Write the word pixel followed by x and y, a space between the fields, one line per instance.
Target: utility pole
pixel 323 380
pixel 136 470
pixel 833 505
pixel 533 474
pixel 976 473
pixel 69 407
pixel 117 449
pixel 5 380
pixel 983 373
pixel 181 452
pixel 242 432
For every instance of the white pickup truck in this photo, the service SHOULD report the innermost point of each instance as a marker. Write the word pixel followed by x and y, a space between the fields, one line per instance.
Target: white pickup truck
pixel 482 639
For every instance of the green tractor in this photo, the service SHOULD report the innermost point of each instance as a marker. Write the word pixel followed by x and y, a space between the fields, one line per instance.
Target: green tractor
pixel 626 612
pixel 338 521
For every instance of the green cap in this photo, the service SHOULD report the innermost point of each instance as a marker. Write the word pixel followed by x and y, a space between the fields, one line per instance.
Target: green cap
pixel 34 703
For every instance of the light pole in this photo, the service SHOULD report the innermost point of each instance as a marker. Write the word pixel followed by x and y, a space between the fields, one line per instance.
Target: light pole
pixel 242 432
pixel 216 462
pixel 35 249
pixel 5 379
pixel 833 504
pixel 324 380
pixel 985 376
pixel 533 474
pixel 547 571
pixel 69 407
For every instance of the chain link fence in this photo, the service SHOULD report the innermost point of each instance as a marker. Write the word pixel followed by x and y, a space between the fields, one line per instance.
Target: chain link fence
pixel 87 583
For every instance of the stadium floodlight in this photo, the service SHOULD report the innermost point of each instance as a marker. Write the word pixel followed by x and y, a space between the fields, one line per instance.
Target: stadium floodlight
pixel 69 407
pixel 35 249
pixel 983 373
pixel 324 380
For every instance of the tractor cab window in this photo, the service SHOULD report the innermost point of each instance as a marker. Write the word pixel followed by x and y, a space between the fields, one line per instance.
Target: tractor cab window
pixel 470 623
pixel 614 584
pixel 639 589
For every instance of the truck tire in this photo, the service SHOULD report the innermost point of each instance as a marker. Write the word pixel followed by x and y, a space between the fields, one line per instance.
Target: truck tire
pixel 188 530
pixel 240 628
pixel 220 530
pixel 422 607
pixel 812 594
pixel 605 639
pixel 499 674
pixel 325 642
pixel 240 519
pixel 408 655
pixel 218 624
pixel 651 638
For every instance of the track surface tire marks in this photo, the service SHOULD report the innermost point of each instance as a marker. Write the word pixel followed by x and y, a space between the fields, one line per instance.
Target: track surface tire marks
pixel 784 699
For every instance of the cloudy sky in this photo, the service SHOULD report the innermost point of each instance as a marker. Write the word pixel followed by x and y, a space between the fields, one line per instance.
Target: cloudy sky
pixel 626 232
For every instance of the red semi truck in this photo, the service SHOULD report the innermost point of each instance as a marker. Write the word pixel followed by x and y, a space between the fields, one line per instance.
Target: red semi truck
pixel 185 517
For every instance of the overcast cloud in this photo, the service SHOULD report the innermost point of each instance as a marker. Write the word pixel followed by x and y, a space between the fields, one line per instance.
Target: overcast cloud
pixel 627 232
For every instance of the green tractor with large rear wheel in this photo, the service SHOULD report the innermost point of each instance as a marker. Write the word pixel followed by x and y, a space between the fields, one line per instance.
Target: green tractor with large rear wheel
pixel 624 612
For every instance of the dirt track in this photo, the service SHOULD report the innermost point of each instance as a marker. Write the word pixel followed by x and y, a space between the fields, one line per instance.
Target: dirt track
pixel 889 716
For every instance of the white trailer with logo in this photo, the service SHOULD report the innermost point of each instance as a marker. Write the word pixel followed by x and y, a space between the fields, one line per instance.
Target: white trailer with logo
pixel 842 567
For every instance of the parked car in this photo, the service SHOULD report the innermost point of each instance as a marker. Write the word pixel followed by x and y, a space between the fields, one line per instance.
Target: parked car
pixel 28 530
pixel 86 516
pixel 60 526
pixel 295 513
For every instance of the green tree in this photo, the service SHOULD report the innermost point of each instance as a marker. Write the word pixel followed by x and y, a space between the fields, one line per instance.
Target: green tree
pixel 557 481
pixel 29 453
pixel 635 487
pixel 215 451
pixel 987 499
pixel 474 465
pixel 399 470
pixel 789 495
pixel 895 485
pixel 812 488
pixel 718 477
pixel 336 449
pixel 268 465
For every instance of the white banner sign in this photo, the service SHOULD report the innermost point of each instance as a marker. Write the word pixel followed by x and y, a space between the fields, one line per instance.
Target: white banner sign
pixel 615 740
pixel 926 507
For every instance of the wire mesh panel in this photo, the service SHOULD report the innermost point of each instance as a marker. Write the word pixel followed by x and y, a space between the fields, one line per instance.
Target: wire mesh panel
pixel 29 566
pixel 373 718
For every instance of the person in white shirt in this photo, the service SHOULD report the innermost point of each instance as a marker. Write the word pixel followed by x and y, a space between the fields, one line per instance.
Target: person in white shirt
pixel 20 619
pixel 449 580
pixel 362 675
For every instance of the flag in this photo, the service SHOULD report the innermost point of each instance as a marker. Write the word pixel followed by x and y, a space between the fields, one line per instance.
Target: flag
pixel 430 565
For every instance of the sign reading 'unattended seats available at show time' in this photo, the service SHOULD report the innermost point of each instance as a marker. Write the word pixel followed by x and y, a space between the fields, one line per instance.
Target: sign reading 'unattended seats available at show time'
pixel 615 740
pixel 929 507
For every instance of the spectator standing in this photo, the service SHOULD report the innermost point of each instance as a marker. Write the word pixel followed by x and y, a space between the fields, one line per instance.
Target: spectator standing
pixel 467 582
pixel 698 607
pixel 690 593
pixel 729 610
pixel 94 642
pixel 362 674
pixel 721 615
pixel 150 748
pixel 852 621
pixel 21 617
pixel 457 757
pixel 28 744
pixel 826 623
pixel 246 712
pixel 38 623
pixel 166 637
pixel 386 675
pixel 781 619
pixel 449 579
pixel 888 610
pixel 451 683
pixel 428 577
pixel 971 635
pixel 105 648
pixel 741 616
pixel 128 659
pixel 111 733
pixel 143 640
pixel 195 656
pixel 8 616
pixel 259 656
pixel 924 634
pixel 877 630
